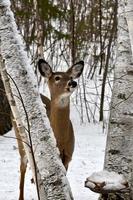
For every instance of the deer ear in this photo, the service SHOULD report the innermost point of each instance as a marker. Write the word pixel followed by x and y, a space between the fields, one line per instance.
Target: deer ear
pixel 44 68
pixel 76 70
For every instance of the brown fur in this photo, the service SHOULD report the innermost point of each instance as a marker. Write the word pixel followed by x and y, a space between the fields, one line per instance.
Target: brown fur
pixel 61 86
pixel 62 128
pixel 58 111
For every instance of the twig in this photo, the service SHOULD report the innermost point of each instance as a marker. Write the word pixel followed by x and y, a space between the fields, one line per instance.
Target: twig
pixel 18 121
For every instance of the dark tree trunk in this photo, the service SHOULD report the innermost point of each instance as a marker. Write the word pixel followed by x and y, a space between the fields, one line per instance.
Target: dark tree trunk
pixel 5 120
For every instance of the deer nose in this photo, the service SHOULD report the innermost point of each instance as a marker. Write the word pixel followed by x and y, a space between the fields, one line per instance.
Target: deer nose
pixel 72 84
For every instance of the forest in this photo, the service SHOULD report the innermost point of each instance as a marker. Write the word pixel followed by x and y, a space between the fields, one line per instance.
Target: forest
pixel 66 111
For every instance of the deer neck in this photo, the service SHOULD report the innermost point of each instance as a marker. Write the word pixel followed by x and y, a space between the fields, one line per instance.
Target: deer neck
pixel 59 115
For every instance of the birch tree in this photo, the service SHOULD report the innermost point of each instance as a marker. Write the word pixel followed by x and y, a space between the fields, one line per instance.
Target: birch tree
pixel 52 173
pixel 129 18
pixel 119 149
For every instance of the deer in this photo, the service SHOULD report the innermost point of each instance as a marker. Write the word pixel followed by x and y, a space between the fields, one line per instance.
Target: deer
pixel 61 85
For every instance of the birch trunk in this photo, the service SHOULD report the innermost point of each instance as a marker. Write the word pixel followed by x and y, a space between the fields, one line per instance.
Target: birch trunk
pixel 52 172
pixel 21 135
pixel 129 18
pixel 119 149
pixel 39 26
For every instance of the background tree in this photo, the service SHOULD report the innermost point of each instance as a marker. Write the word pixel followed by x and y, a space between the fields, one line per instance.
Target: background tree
pixel 129 18
pixel 5 113
pixel 119 156
pixel 54 184
pixel 65 31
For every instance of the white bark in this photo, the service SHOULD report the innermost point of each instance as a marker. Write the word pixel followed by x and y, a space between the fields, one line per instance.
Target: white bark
pixel 17 120
pixel 119 149
pixel 129 18
pixel 52 172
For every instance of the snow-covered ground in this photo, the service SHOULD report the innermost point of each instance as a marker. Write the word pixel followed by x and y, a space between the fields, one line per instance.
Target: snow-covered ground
pixel 88 158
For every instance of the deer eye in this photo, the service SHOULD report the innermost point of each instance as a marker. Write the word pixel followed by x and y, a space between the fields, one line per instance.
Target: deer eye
pixel 57 78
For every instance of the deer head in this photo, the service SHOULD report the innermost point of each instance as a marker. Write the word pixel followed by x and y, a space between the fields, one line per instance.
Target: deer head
pixel 61 84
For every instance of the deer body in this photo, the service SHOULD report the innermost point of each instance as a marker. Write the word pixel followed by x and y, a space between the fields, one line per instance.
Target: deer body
pixel 59 116
pixel 61 86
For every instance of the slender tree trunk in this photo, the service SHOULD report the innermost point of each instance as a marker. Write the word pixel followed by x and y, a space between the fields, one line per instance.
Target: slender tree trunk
pixel 129 18
pixel 39 26
pixel 51 170
pixel 119 149
pixel 72 27
pixel 5 112
pixel 101 35
pixel 105 73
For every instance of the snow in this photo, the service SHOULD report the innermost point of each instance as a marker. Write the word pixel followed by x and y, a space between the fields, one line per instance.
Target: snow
pixel 88 157
pixel 9 171
pixel 111 180
pixel 5 3
pixel 16 40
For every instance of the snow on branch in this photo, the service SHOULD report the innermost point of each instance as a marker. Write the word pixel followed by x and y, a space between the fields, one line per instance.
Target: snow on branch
pixel 106 182
pixel 54 184
pixel 5 3
pixel 18 123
